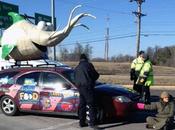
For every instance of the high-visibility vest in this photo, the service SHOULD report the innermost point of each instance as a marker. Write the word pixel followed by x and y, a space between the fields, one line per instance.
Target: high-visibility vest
pixel 147 67
pixel 137 64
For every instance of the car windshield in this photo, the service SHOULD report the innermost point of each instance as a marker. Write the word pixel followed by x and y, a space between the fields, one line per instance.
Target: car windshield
pixel 69 75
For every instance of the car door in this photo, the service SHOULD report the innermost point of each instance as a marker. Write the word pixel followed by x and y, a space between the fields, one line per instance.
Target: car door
pixel 57 94
pixel 28 94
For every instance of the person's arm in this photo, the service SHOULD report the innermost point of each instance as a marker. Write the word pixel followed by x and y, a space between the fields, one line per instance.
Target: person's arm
pixel 145 70
pixel 132 71
pixel 95 74
pixel 142 106
pixel 152 106
pixel 132 74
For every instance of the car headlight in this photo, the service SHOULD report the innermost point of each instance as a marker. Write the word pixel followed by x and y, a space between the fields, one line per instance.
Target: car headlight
pixel 122 99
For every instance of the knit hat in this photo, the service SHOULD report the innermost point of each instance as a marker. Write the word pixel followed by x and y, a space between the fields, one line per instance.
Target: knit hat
pixel 83 56
pixel 164 94
pixel 141 52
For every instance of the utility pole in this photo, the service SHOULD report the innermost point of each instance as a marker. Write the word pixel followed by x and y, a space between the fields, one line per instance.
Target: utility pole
pixel 53 23
pixel 107 40
pixel 138 15
pixel 1 31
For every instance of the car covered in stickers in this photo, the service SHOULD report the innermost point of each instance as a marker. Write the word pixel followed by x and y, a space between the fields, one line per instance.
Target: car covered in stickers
pixel 52 90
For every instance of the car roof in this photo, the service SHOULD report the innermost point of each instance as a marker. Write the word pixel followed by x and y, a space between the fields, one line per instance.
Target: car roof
pixel 5 64
pixel 26 69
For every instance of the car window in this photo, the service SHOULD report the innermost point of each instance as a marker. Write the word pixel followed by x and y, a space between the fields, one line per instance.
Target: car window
pixel 53 80
pixel 6 78
pixel 29 79
pixel 69 75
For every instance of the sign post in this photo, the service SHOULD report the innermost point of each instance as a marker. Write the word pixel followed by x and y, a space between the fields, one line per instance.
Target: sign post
pixel 5 20
pixel 41 17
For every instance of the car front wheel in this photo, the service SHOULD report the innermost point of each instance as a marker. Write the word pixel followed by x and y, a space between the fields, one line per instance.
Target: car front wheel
pixel 100 116
pixel 8 106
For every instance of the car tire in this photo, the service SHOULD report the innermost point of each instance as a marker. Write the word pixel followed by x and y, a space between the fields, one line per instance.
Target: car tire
pixel 100 116
pixel 8 106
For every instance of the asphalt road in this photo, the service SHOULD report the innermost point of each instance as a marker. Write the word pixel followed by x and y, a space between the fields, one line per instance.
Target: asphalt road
pixel 30 121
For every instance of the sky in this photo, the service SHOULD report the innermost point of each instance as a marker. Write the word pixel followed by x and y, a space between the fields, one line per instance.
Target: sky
pixel 158 26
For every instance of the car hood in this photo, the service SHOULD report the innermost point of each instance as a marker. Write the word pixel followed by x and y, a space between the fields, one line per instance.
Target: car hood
pixel 116 90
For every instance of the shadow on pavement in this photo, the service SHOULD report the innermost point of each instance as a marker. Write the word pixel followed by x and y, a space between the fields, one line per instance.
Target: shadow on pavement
pixel 135 117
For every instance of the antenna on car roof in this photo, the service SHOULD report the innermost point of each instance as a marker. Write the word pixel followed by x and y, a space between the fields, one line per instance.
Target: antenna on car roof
pixel 47 64
pixel 45 60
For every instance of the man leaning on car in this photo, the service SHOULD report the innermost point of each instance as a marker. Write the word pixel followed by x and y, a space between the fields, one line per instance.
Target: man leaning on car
pixel 85 77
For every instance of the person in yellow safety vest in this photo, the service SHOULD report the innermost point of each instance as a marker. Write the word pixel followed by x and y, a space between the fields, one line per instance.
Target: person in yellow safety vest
pixel 136 66
pixel 146 79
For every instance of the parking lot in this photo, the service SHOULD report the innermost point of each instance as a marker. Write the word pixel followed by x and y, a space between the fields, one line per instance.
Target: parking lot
pixel 29 121
pixel 45 122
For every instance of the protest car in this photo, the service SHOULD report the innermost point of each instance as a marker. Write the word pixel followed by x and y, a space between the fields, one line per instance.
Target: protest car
pixel 52 90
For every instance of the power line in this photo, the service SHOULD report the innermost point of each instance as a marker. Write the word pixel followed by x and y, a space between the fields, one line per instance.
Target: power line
pixel 118 37
pixel 101 9
pixel 99 40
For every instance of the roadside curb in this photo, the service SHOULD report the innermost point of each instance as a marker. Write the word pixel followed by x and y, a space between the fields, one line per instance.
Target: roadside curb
pixel 155 87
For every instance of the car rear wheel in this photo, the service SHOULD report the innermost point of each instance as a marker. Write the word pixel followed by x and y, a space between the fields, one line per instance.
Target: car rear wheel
pixel 8 106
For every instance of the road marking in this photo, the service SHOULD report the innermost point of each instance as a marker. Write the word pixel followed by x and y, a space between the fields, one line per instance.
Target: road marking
pixel 58 126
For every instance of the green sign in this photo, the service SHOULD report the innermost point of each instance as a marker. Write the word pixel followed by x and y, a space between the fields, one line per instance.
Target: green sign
pixel 5 20
pixel 41 17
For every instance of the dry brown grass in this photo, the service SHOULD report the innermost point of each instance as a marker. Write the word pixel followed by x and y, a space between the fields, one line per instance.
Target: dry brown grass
pixel 119 73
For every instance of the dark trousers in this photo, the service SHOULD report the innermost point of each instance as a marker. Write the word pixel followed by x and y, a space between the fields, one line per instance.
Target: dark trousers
pixel 137 88
pixel 146 94
pixel 87 99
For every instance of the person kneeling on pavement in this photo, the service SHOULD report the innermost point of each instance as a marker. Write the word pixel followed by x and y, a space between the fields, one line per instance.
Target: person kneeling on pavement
pixel 164 117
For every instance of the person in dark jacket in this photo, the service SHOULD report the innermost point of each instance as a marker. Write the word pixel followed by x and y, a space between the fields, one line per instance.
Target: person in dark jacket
pixel 164 117
pixel 85 77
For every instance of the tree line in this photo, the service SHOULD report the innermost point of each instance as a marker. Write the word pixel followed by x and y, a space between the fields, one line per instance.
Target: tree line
pixel 164 56
pixel 73 55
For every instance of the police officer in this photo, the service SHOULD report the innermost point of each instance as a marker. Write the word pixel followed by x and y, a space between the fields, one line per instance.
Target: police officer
pixel 136 66
pixel 146 79
pixel 85 77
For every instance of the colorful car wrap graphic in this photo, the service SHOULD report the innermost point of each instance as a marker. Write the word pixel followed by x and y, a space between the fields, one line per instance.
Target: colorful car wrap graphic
pixel 30 97
pixel 46 102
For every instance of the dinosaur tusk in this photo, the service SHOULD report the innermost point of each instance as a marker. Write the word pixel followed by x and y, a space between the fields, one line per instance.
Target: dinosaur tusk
pixel 92 16
pixel 76 25
pixel 69 20
pixel 71 14
pixel 67 29
pixel 76 18
pixel 54 32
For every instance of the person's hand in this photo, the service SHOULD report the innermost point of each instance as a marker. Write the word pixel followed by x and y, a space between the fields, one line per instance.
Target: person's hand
pixel 140 106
